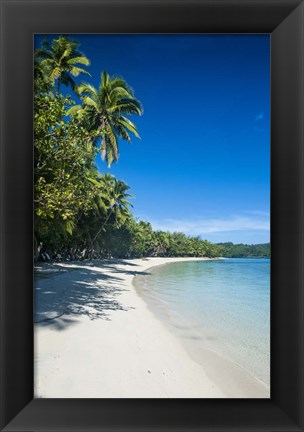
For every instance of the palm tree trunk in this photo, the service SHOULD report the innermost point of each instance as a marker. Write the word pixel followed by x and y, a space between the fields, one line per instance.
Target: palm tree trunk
pixel 102 226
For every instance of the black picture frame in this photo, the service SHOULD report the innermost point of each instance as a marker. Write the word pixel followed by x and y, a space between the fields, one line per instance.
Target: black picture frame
pixel 284 20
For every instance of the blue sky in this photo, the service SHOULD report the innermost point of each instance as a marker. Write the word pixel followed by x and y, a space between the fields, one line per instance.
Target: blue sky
pixel 202 165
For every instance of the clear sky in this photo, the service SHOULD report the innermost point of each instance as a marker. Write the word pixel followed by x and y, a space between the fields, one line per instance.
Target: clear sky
pixel 202 165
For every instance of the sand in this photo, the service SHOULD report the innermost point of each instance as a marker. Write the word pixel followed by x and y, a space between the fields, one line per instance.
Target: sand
pixel 95 337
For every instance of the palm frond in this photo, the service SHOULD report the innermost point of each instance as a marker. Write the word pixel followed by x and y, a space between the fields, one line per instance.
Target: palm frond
pixel 88 89
pixel 42 53
pixel 89 101
pixel 56 72
pixel 67 80
pixel 81 60
pixel 109 157
pixel 75 71
pixel 119 93
pixel 65 53
pixel 128 125
pixel 121 132
pixel 74 109
pixel 111 139
pixel 127 106
pixel 119 82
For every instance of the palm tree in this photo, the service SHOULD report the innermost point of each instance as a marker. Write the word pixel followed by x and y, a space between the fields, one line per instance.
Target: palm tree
pixel 62 59
pixel 41 80
pixel 114 197
pixel 103 111
pixel 161 243
pixel 116 192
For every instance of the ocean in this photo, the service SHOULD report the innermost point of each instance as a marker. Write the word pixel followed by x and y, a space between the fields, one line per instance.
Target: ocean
pixel 222 306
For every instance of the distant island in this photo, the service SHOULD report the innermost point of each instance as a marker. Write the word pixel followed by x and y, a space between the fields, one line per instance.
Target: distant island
pixel 230 250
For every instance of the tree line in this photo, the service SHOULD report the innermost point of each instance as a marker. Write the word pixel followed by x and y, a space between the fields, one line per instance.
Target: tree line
pixel 81 213
pixel 230 250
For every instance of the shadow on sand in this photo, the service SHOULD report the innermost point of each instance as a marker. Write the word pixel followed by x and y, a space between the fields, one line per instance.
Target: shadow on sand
pixel 63 291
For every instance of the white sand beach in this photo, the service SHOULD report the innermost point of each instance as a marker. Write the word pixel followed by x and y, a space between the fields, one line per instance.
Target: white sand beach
pixel 95 337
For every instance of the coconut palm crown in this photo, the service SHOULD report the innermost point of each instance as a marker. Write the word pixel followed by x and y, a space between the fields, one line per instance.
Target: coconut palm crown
pixel 61 60
pixel 103 110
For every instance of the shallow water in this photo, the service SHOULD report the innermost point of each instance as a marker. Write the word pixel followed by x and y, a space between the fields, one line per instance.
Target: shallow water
pixel 221 305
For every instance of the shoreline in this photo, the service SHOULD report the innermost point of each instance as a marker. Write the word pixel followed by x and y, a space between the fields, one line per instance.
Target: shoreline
pixel 245 382
pixel 107 343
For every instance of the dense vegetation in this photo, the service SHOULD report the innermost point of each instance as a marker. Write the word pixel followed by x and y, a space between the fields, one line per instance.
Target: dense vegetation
pixel 230 250
pixel 79 212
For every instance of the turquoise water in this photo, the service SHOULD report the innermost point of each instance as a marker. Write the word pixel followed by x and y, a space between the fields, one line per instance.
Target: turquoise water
pixel 221 305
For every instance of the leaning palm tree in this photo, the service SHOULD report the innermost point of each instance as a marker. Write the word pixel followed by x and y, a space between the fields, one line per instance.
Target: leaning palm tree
pixel 61 60
pixel 103 110
pixel 114 197
pixel 115 194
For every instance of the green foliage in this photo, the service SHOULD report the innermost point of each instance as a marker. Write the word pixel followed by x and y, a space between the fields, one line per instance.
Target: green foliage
pixel 60 61
pixel 63 155
pixel 80 213
pixel 231 250
pixel 102 111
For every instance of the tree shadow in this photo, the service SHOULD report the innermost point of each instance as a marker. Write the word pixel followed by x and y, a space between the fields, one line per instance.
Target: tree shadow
pixel 63 290
pixel 60 323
